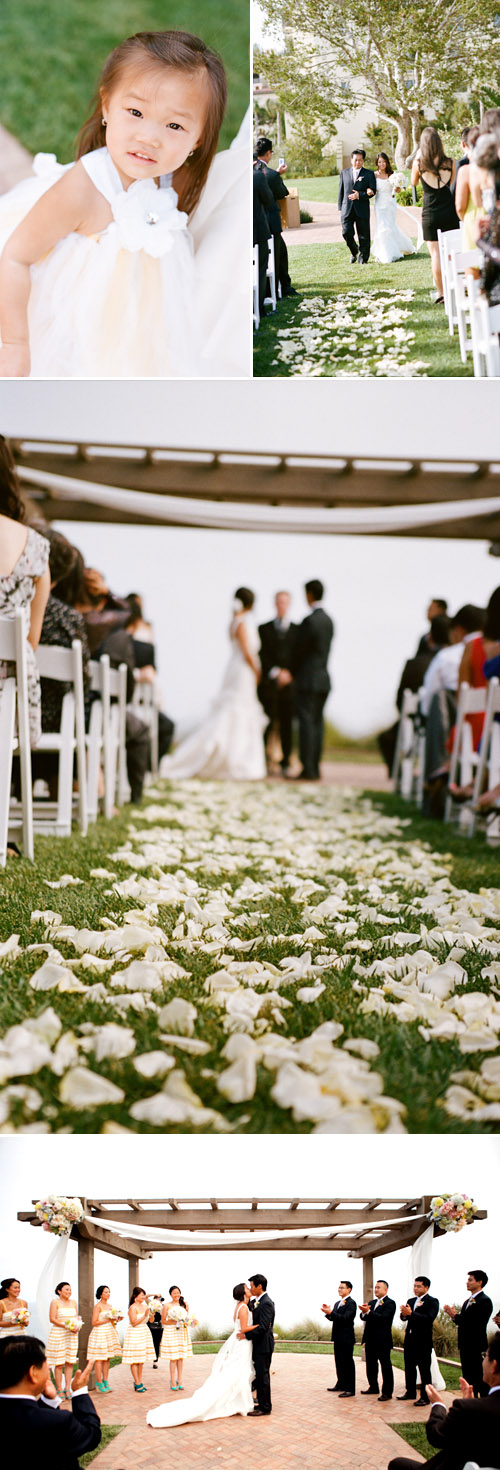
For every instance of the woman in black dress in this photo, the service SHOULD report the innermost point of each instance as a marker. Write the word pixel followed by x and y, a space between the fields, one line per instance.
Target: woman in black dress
pixel 437 174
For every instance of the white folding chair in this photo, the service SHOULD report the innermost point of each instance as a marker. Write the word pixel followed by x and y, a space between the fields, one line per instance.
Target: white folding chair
pixel 449 241
pixel 146 704
pixel 406 755
pixel 487 322
pixel 271 293
pixel 106 739
pixel 256 308
pixel 64 666
pixel 488 766
pixel 14 710
pixel 118 733
pixel 460 262
pixel 464 758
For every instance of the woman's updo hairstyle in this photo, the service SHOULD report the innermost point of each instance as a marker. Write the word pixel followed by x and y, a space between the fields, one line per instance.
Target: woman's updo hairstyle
pixel 5 1285
pixel 239 1292
pixel 99 1292
pixel 60 1285
pixel 245 596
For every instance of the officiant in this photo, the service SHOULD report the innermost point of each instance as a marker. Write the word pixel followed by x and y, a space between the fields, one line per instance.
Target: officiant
pixel 278 641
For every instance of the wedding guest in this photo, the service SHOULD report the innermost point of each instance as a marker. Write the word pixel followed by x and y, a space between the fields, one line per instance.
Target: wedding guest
pixel 176 1342
pixel 24 577
pixel 155 1328
pixel 377 1316
pixel 341 1316
pixel 137 1345
pixel 273 177
pixel 436 172
pixel 418 1313
pixel 312 680
pixel 144 655
pixel 11 1305
pixel 464 155
pixel 472 1322
pixel 277 646
pixel 412 678
pixel 61 624
pixel 62 1343
pixel 104 1342
pixel 263 206
pixel 438 704
pixel 469 1432
pixel 31 1422
pixel 438 608
pixel 468 200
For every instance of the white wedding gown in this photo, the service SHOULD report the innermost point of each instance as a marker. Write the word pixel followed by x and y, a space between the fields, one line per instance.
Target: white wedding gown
pixel 229 745
pixel 226 1391
pixel 389 242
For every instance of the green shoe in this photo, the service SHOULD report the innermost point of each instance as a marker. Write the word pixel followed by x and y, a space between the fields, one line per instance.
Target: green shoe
pixel 107 1386
pixel 100 1385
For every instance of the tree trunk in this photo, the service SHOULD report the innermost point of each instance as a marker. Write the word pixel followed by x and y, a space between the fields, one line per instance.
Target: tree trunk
pixel 404 140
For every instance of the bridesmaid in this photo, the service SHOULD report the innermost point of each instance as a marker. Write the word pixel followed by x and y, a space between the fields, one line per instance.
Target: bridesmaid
pixel 62 1344
pixel 10 1303
pixel 104 1342
pixel 138 1344
pixel 176 1343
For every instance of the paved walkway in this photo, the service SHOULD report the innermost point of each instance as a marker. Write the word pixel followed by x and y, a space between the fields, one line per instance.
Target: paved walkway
pixel 307 1427
pixel 15 161
pixel 326 227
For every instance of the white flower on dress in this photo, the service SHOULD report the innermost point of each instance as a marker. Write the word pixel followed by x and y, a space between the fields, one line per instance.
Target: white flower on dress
pixel 147 218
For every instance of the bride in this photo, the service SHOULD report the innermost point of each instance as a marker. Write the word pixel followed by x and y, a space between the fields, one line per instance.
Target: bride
pixel 389 243
pixel 229 745
pixel 227 1390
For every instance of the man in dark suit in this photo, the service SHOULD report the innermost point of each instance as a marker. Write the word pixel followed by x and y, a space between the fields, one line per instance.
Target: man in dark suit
pixel 377 1316
pixel 263 205
pixel 312 680
pixel 472 1322
pixel 261 1336
pixel 273 177
pixel 342 1317
pixel 357 186
pixel 277 646
pixel 34 1430
pixel 471 1428
pixel 419 1314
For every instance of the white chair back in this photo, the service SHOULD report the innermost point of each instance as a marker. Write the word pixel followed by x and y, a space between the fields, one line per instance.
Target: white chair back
pixel 462 261
pixel 488 766
pixel 256 307
pixel 463 756
pixel 106 741
pixel 14 701
pixel 405 755
pixel 449 241
pixel 146 702
pixel 65 666
pixel 271 289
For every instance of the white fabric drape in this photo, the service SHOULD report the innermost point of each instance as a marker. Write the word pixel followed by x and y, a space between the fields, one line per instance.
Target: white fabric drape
pixel 420 1264
pixel 175 510
pixel 150 1234
pixel 53 1271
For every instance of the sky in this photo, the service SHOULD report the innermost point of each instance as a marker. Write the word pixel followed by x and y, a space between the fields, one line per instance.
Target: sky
pixel 237 1168
pixel 377 589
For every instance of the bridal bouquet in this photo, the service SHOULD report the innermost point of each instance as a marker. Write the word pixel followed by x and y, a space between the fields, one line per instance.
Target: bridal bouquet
pixel 73 1324
pixel 399 181
pixel 58 1213
pixel 452 1211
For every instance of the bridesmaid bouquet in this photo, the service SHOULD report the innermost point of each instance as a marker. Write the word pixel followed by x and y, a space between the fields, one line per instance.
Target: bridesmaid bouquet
pixel 73 1324
pixel 114 1314
pixel 58 1213
pixel 181 1317
pixel 19 1316
pixel 154 1303
pixel 452 1211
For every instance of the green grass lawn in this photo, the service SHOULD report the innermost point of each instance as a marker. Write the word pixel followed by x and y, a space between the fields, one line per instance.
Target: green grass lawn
pixel 319 191
pixel 474 865
pixel 51 57
pixel 415 1435
pixel 324 271
pixel 108 1432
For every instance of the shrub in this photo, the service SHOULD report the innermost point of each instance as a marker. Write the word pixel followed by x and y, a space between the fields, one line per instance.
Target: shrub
pixel 205 1333
pixel 405 196
pixel 305 217
pixel 306 1331
pixel 444 1336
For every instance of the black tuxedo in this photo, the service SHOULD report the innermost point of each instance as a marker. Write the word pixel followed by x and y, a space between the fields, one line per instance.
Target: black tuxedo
pixel 50 1438
pixel 342 1319
pixel 312 684
pixel 472 1322
pixel 277 648
pixel 469 1431
pixel 377 1339
pixel 418 1343
pixel 279 191
pixel 263 204
pixel 262 1340
pixel 355 213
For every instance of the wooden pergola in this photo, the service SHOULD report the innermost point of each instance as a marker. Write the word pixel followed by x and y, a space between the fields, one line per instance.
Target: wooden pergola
pixel 362 1228
pixel 255 478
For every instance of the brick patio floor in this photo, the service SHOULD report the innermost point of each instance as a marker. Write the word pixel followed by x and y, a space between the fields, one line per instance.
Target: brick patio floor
pixel 308 1427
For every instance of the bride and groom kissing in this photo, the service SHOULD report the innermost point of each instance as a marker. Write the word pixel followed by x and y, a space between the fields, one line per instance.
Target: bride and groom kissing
pixel 241 1367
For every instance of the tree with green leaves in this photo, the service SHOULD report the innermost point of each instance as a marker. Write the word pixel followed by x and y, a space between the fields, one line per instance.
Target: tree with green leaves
pixel 406 59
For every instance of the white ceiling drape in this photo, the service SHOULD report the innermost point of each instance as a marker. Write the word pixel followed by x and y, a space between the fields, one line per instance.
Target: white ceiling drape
pixel 152 1234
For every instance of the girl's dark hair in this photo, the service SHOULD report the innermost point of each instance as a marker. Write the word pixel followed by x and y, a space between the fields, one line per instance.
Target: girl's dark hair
pixel 62 555
pixel 11 500
pixel 136 613
pixel 432 154
pixel 71 589
pixel 181 52
pixel 4 1285
pixel 99 1292
pixel 492 624
pixel 136 1291
pixel 239 1292
pixel 181 1298
pixel 440 630
pixel 245 596
pixel 387 162
pixel 60 1285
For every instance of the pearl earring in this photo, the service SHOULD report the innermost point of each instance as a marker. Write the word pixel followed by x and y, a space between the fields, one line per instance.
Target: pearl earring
pixel 103 121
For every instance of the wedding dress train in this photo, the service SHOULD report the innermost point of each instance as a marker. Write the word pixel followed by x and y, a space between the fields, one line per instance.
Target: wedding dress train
pixel 389 242
pixel 226 1391
pixel 229 745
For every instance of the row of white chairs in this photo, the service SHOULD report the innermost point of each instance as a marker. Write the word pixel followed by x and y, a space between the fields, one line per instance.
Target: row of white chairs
pixel 479 769
pixel 466 306
pixel 273 290
pixel 103 748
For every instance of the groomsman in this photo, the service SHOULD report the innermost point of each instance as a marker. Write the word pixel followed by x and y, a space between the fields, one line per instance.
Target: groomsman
pixel 469 1433
pixel 312 680
pixel 342 1317
pixel 472 1322
pixel 277 647
pixel 419 1314
pixel 377 1316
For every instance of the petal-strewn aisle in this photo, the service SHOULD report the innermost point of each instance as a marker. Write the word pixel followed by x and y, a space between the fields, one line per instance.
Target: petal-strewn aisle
pixel 250 958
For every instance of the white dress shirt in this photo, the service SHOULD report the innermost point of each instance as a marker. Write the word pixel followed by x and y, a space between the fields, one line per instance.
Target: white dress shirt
pixel 442 673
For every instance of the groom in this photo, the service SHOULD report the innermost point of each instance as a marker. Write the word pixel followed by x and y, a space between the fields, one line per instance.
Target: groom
pixel 262 1339
pixel 357 186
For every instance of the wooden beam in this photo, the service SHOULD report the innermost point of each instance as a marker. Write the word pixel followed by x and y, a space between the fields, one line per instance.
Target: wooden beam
pixel 310 1218
pixel 85 1294
pixel 114 1245
pixel 367 1278
pixel 133 1275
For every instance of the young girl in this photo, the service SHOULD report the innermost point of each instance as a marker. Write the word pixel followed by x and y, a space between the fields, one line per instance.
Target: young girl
pixel 97 272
